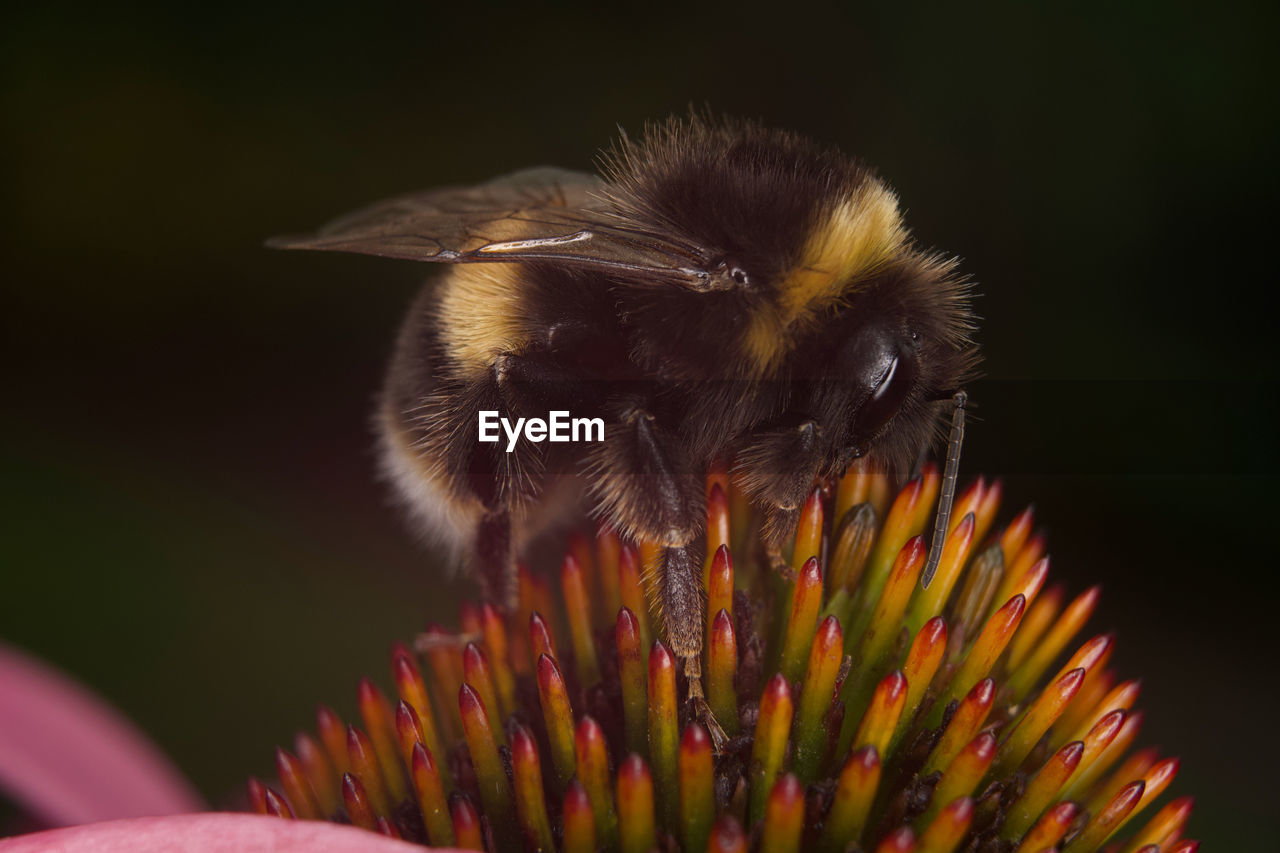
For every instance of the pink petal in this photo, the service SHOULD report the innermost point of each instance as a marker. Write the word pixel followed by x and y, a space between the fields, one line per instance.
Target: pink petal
pixel 209 833
pixel 68 757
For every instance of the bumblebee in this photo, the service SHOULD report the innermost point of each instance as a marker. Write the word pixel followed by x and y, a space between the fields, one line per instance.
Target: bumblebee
pixel 722 293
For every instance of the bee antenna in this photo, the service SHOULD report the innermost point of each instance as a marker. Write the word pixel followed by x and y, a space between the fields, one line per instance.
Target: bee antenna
pixel 949 474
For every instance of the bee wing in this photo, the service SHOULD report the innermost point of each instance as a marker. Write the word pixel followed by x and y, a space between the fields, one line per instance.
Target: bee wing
pixel 542 214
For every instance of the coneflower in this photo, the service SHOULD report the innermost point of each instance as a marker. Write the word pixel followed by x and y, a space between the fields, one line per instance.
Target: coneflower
pixel 862 712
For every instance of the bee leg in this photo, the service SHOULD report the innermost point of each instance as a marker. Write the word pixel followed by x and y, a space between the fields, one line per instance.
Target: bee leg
pixel 500 477
pixel 779 525
pixel 644 483
pixel 494 561
pixel 778 467
pixel 683 605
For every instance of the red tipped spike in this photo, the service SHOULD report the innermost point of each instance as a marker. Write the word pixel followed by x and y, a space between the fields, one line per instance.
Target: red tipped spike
pixel 986 650
pixel 784 817
pixel 466 823
pixel 722 668
pixel 964 725
pixel 1133 767
pixel 808 544
pixel 577 603
pixel 408 729
pixel 359 808
pixel 717 528
pixel 579 822
pixel 333 734
pixel 1038 659
pixel 632 672
pixel 899 841
pixel 558 716
pixel 812 735
pixel 876 641
pixel 1013 537
pixel 593 774
pixel 923 660
pixel 855 793
pixel 881 717
pixel 431 799
pixel 275 805
pixel 540 638
pixel 491 775
pixel 1050 829
pixel 727 836
pixel 948 829
pixel 367 771
pixel 769 749
pixel 1166 826
pixel 1157 779
pixel 986 510
pixel 476 672
pixel 631 588
pixel 806 601
pixel 1101 736
pixel 697 788
pixel 1037 719
pixel 636 832
pixel 413 690
pixel 297 787
pixel 1041 790
pixel 662 728
pixel 320 772
pixel 531 807
pixel 443 653
pixel 1108 820
pixel 257 796
pixel 962 775
pixel 381 725
pixel 720 582
pixel 498 652
pixel 608 552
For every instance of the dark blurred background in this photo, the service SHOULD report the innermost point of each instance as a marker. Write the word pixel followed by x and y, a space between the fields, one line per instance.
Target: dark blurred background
pixel 189 519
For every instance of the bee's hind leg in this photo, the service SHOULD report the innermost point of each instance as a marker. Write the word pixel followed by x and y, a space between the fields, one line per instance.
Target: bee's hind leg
pixel 495 564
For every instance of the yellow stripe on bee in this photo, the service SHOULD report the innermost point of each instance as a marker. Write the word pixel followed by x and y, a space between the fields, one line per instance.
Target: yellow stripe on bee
pixel 480 313
pixel 858 236
pixel 854 239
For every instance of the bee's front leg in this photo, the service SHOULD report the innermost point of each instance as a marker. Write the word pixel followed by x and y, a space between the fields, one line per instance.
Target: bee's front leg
pixel 777 468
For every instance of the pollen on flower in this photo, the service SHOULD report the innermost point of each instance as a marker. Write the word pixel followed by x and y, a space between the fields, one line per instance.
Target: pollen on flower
pixel 860 712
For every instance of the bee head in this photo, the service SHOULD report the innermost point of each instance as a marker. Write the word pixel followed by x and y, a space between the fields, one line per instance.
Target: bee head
pixel 824 297
pixel 879 371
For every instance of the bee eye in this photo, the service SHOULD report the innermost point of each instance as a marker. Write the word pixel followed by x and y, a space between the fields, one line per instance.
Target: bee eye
pixel 888 392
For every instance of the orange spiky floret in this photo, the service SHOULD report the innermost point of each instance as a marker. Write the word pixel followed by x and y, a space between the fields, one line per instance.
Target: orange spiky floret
pixel 860 709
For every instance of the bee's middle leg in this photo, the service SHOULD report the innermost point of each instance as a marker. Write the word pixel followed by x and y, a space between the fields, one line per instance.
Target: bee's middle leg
pixel 648 487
